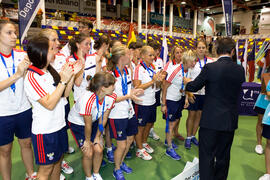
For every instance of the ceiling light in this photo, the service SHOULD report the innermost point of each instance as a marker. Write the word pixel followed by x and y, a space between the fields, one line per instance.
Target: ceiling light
pixel 207 9
pixel 183 3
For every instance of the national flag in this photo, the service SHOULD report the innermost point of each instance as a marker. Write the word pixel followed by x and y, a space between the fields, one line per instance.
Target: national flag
pixel 151 5
pixel 112 2
pixel 261 52
pixel 251 63
pixel 244 60
pixel 180 11
pixel 164 50
pixel 27 12
pixel 131 34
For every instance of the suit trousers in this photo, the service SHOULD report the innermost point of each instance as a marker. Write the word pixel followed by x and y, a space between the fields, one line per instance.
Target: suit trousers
pixel 214 153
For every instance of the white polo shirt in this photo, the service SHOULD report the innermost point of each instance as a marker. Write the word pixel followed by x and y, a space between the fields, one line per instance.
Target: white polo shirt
pixel 168 65
pixel 175 77
pixel 12 103
pixel 158 63
pixel 196 70
pixel 86 105
pixel 141 73
pixel 66 49
pixel 38 84
pixel 123 109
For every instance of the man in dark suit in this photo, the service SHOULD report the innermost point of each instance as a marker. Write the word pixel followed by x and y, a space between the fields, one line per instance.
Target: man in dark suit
pixel 222 80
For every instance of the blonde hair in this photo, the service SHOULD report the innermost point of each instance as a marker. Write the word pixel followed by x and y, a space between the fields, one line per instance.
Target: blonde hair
pixel 46 32
pixel 188 56
pixel 146 49
pixel 116 53
pixel 172 57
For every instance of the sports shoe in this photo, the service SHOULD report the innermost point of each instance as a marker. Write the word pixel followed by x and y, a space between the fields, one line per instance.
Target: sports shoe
pixel 103 163
pixel 195 141
pixel 32 177
pixel 125 168
pixel 97 176
pixel 153 134
pixel 259 149
pixel 70 150
pixel 148 148
pixel 143 154
pixel 118 174
pixel 171 153
pixel 128 156
pixel 265 177
pixel 174 146
pixel 113 147
pixel 179 137
pixel 62 177
pixel 110 156
pixel 89 178
pixel 66 168
pixel 188 143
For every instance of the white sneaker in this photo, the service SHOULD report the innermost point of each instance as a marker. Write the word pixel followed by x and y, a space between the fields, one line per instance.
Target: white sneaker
pixel 143 154
pixel 89 178
pixel 70 150
pixel 265 177
pixel 259 149
pixel 66 168
pixel 148 148
pixel 153 134
pixel 32 177
pixel 97 176
pixel 62 177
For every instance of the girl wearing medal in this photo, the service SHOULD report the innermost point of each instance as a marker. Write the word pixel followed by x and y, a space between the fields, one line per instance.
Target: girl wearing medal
pixel 173 98
pixel 45 88
pixel 88 118
pixel 123 124
pixel 16 113
pixel 145 78
pixel 196 105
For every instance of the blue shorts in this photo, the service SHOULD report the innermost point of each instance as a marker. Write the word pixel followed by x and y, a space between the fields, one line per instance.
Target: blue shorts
pixel 259 110
pixel 145 114
pixel 266 131
pixel 49 148
pixel 198 104
pixel 78 132
pixel 18 124
pixel 121 128
pixel 157 95
pixel 174 109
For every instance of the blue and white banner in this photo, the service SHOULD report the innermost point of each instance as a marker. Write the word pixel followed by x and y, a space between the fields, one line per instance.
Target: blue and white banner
pixel 228 15
pixel 164 51
pixel 27 12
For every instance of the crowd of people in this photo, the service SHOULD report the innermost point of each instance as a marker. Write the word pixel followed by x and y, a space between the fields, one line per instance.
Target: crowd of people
pixel 117 90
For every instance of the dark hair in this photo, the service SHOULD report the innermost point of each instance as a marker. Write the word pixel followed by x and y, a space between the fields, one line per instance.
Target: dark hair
pixel 101 40
pixel 132 45
pixel 154 45
pixel 37 51
pixel 200 41
pixel 225 45
pixel 113 42
pixel 86 23
pixel 4 22
pixel 139 44
pixel 78 38
pixel 101 79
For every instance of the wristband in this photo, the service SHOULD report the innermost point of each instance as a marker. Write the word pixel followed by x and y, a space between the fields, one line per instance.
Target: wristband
pixel 63 83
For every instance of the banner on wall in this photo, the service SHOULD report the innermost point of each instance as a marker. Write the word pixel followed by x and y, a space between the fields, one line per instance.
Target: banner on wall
pixel 27 12
pixel 71 5
pixel 228 15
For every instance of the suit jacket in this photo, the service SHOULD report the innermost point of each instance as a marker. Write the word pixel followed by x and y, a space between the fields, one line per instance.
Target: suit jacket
pixel 222 80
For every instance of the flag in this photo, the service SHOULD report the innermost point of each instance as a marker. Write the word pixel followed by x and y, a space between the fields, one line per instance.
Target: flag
pixel 151 5
pixel 261 52
pixel 164 50
pixel 131 34
pixel 112 2
pixel 251 63
pixel 160 7
pixel 180 11
pixel 228 15
pixel 244 60
pixel 187 13
pixel 27 12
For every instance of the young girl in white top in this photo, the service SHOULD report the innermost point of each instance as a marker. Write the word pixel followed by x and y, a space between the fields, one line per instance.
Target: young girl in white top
pixel 45 88
pixel 15 109
pixel 173 98
pixel 123 124
pixel 88 118
pixel 145 78
pixel 196 105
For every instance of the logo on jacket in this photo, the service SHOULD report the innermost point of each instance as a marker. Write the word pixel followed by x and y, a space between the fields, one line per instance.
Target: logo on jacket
pixel 50 156
pixel 119 133
pixel 140 120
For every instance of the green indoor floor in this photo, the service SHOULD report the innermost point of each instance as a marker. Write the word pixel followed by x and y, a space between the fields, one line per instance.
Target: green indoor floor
pixel 245 163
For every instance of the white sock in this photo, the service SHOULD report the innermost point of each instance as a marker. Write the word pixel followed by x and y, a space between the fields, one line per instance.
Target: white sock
pixel 140 150
pixel 88 178
pixel 189 137
pixel 192 136
pixel 109 149
pixel 144 144
pixel 96 174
